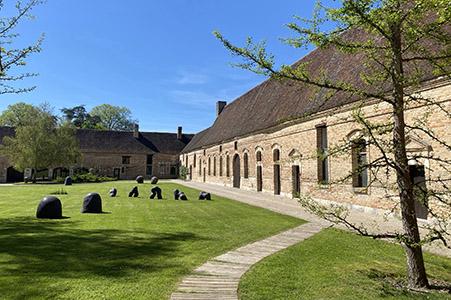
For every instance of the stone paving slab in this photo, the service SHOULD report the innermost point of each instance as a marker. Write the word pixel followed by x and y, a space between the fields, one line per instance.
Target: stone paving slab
pixel 219 277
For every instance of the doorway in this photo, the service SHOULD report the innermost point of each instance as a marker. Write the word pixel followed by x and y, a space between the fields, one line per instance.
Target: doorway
pixel 117 173
pixel 296 177
pixel 417 175
pixel 12 175
pixel 236 171
pixel 276 179
pixel 259 179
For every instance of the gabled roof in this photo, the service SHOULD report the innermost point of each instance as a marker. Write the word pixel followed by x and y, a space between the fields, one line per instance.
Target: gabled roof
pixel 106 141
pixel 274 102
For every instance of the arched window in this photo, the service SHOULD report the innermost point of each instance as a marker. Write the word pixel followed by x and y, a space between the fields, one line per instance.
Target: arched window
pixel 186 161
pixel 259 156
pixel 276 155
pixel 359 164
pixel 209 166
pixel 220 166
pixel 194 161
pixel 214 166
pixel 276 158
pixel 245 165
pixel 228 165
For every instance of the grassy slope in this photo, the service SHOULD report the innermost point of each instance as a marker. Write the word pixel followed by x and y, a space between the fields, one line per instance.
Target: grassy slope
pixel 138 250
pixel 337 265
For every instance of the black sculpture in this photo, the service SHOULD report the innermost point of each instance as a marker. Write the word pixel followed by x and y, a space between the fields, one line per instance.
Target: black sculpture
pixel 113 192
pixel 156 191
pixel 154 180
pixel 176 194
pixel 182 196
pixel 140 179
pixel 49 208
pixel 134 192
pixel 204 196
pixel 92 203
pixel 68 180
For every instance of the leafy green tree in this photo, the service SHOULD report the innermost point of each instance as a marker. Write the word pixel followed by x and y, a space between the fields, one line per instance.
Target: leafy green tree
pixel 112 117
pixel 41 145
pixel 399 43
pixel 11 57
pixel 20 114
pixel 80 118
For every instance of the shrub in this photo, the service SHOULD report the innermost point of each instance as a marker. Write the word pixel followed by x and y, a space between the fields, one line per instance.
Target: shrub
pixel 87 177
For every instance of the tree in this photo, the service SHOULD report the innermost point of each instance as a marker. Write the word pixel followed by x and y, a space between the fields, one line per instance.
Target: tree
pixel 114 117
pixel 19 114
pixel 405 42
pixel 42 144
pixel 12 58
pixel 80 118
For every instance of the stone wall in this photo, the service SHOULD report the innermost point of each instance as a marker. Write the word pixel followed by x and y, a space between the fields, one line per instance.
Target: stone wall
pixel 297 145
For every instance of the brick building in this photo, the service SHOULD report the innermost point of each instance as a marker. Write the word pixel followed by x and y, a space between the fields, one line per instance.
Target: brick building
pixel 120 154
pixel 267 139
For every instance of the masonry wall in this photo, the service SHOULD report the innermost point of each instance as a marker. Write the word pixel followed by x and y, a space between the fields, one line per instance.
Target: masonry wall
pixel 297 144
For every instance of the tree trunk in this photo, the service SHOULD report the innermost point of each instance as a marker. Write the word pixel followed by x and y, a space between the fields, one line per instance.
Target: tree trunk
pixel 417 277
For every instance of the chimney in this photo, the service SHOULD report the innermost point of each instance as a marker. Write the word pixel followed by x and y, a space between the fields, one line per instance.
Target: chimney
pixel 220 107
pixel 136 131
pixel 179 133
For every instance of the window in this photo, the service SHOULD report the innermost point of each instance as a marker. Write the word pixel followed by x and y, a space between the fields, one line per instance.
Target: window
pixel 220 166
pixel 164 168
pixel 214 166
pixel 227 166
pixel 125 160
pixel 200 167
pixel 149 162
pixel 173 171
pixel 321 143
pixel 186 161
pixel 205 151
pixel 359 164
pixel 209 166
pixel 276 155
pixel 246 165
pixel 259 156
pixel 194 161
pixel 235 145
pixel 220 148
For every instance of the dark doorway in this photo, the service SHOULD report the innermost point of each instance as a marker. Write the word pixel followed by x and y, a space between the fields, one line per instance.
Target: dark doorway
pixel 276 179
pixel 12 175
pixel 190 172
pixel 236 171
pixel 417 175
pixel 117 173
pixel 296 175
pixel 259 179
pixel 204 178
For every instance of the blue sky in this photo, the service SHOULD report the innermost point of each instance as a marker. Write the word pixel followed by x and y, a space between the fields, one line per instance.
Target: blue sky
pixel 157 57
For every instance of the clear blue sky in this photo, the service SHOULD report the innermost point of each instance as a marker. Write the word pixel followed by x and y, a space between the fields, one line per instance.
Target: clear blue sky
pixel 159 57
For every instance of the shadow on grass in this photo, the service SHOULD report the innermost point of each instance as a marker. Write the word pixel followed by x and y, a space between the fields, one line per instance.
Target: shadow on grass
pixel 56 248
pixel 394 285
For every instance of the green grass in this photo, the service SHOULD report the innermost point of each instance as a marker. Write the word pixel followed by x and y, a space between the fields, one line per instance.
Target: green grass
pixel 338 265
pixel 138 249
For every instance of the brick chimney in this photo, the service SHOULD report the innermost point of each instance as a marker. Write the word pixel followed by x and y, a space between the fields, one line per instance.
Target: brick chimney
pixel 219 107
pixel 179 133
pixel 136 131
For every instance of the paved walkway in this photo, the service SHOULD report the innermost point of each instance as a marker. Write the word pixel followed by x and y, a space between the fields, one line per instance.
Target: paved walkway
pixel 219 278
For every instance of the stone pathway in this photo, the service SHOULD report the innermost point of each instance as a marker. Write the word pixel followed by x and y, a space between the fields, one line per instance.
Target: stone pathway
pixel 219 277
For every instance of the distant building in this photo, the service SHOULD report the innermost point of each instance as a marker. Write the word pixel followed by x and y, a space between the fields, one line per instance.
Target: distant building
pixel 119 154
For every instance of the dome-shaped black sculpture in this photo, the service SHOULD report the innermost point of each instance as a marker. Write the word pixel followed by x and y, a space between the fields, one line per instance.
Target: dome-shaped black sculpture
pixel 182 196
pixel 204 196
pixel 140 179
pixel 49 208
pixel 68 180
pixel 154 180
pixel 113 192
pixel 92 203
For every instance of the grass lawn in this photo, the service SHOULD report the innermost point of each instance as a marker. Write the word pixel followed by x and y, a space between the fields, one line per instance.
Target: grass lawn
pixel 337 265
pixel 138 249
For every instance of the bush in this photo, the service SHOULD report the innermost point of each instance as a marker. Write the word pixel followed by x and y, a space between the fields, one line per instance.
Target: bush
pixel 183 172
pixel 87 177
